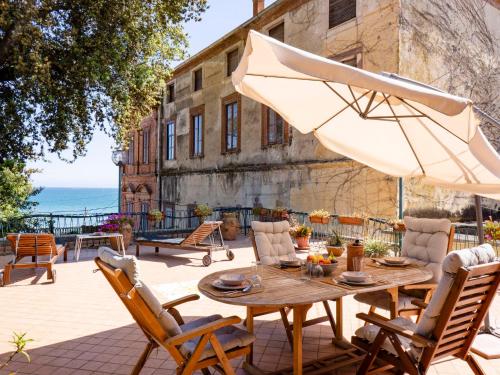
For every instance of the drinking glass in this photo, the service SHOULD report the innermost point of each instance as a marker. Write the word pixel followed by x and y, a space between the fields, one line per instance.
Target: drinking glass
pixel 257 273
pixel 357 264
pixel 305 271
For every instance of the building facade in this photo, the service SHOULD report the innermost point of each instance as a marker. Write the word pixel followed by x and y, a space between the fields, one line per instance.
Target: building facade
pixel 222 149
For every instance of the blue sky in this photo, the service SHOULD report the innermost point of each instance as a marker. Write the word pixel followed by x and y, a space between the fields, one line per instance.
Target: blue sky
pixel 96 168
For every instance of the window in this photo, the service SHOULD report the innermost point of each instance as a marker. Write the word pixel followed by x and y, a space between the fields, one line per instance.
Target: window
pixel 170 140
pixel 275 130
pixel 145 146
pixel 231 123
pixel 196 143
pixel 169 210
pixel 232 61
pixel 130 155
pixel 341 11
pixel 129 206
pixel 352 61
pixel 352 57
pixel 144 215
pixel 198 79
pixel 278 32
pixel 170 93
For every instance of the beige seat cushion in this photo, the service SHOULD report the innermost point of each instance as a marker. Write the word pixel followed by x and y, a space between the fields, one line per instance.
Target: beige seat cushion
pixel 426 243
pixel 273 241
pixel 382 300
pixel 130 266
pixel 230 337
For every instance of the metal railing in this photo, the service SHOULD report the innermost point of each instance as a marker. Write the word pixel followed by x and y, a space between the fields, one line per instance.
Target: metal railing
pixel 177 222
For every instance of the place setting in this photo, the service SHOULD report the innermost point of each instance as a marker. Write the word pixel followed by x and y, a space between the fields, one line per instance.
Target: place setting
pixel 234 285
pixel 356 279
pixel 391 262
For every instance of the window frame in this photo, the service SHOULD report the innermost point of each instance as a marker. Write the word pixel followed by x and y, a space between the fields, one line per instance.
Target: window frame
pixel 350 54
pixel 193 112
pixel 195 88
pixel 131 150
pixel 234 98
pixel 274 27
pixel 170 121
pixel 145 142
pixel 228 68
pixel 331 23
pixel 265 129
pixel 171 92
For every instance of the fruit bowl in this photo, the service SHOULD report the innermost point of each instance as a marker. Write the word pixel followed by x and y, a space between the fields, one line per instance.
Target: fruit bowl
pixel 328 268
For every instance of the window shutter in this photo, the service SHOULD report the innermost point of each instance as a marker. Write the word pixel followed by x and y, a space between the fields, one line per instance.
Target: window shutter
pixel 341 11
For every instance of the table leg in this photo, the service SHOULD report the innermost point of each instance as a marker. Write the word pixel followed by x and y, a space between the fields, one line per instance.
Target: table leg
pixel 250 329
pixel 123 245
pixel 76 255
pixel 297 339
pixel 339 326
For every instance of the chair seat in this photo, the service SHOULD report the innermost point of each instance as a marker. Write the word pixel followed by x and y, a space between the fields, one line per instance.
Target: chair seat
pixel 370 331
pixel 230 337
pixel 382 300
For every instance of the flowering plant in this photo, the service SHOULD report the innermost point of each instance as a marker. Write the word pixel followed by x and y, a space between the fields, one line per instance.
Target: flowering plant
pixel 202 210
pixel 491 230
pixel 156 215
pixel 115 222
pixel 301 230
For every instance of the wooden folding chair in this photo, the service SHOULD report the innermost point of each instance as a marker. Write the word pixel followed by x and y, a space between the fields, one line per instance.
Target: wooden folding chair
pixel 450 323
pixel 34 245
pixel 196 348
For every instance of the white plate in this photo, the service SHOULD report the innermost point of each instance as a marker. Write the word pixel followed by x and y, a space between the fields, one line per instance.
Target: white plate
pixel 218 284
pixel 368 282
pixel 355 276
pixel 232 279
pixel 384 263
pixel 395 260
pixel 290 263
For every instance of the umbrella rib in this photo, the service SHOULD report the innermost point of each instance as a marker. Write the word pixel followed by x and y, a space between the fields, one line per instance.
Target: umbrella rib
pixel 281 77
pixel 404 133
pixel 430 118
pixel 338 113
pixel 341 97
pixel 365 113
pixel 355 100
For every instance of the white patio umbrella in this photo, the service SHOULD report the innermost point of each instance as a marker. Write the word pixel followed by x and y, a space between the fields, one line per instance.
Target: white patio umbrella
pixel 398 127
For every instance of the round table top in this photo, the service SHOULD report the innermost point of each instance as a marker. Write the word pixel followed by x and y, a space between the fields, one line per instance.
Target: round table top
pixel 286 288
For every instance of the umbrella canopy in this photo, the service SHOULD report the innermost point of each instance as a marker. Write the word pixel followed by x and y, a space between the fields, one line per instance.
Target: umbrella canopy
pixel 397 127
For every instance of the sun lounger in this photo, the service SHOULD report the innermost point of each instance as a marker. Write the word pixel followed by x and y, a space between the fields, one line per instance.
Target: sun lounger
pixel 193 242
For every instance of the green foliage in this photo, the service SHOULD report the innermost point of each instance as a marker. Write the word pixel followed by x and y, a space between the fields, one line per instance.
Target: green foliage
pixel 301 230
pixel 491 230
pixel 67 67
pixel 15 189
pixel 376 248
pixel 202 210
pixel 19 341
pixel 335 240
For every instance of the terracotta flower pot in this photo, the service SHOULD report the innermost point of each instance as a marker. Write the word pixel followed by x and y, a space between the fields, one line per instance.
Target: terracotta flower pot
pixel 302 242
pixel 319 219
pixel 354 251
pixel 230 227
pixel 126 231
pixel 335 250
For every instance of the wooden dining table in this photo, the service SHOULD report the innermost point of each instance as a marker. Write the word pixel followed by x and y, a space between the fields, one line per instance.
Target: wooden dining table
pixel 286 288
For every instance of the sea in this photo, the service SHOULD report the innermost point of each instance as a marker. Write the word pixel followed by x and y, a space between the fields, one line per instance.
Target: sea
pixel 62 200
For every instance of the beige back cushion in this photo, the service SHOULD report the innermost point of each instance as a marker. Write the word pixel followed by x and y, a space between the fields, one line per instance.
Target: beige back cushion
pixel 130 266
pixel 426 241
pixel 273 241
pixel 451 264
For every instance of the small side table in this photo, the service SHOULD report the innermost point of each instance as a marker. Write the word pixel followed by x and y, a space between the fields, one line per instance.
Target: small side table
pixel 81 237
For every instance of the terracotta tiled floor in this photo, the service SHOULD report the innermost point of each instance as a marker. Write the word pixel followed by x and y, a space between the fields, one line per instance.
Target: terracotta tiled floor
pixel 79 326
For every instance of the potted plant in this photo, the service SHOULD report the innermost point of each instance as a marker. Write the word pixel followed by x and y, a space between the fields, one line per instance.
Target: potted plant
pixel 319 217
pixel 350 220
pixel 335 244
pixel 118 223
pixel 376 248
pixel 397 225
pixel 280 213
pixel 202 211
pixel 301 233
pixel 230 227
pixel 155 215
pixel 491 230
pixel 256 211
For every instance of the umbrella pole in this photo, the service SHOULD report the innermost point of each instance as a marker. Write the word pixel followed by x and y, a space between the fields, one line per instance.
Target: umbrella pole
pixel 486 344
pixel 401 197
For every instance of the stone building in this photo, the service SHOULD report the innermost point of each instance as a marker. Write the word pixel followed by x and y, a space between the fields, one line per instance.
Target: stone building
pixel 139 183
pixel 219 148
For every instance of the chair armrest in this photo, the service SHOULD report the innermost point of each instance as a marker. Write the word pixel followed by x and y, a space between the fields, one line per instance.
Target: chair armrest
pixel 178 301
pixel 201 330
pixel 419 303
pixel 393 328
pixel 420 286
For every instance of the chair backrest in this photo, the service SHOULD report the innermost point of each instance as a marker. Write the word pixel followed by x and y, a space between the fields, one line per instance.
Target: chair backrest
pixel 123 274
pixel 272 241
pixel 427 242
pixel 31 244
pixel 453 317
pixel 201 232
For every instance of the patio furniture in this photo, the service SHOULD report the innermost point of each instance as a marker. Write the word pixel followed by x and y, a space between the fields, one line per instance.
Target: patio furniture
pixel 193 242
pixel 282 288
pixel 96 236
pixel 426 243
pixel 450 321
pixel 210 341
pixel 271 243
pixel 34 245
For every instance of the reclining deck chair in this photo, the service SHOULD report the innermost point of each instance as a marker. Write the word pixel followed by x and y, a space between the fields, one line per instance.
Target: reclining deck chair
pixel 193 242
pixel 450 321
pixel 34 245
pixel 426 243
pixel 206 342
pixel 271 243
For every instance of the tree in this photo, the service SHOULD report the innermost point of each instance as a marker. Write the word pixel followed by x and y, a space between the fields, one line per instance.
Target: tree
pixel 68 67
pixel 15 189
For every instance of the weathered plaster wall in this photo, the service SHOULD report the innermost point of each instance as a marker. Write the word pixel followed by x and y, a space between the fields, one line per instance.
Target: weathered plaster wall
pixel 455 46
pixel 308 176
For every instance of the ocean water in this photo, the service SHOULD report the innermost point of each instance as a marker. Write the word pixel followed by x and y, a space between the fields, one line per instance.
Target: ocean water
pixel 76 200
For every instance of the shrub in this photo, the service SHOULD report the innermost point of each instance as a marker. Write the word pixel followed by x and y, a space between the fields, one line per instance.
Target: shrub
pixel 376 248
